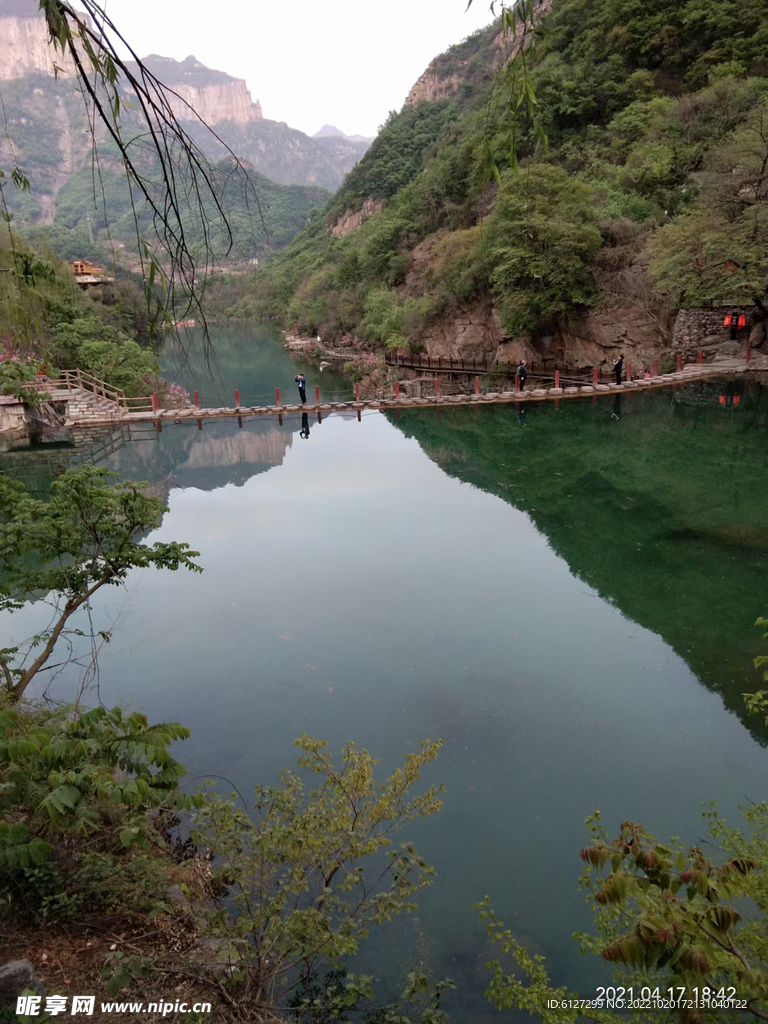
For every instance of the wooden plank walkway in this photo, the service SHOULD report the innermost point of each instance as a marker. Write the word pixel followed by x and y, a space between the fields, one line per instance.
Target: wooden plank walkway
pixel 693 372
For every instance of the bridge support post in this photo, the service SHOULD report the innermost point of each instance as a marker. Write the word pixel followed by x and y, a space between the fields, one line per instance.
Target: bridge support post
pixel 197 400
pixel 277 395
pixel 240 422
pixel 237 398
pixel 357 393
pixel 397 389
pixel 437 387
pixel 557 378
pixel 477 385
pixel 317 394
pixel 679 362
pixel 700 356
pixel 155 403
pixel 594 375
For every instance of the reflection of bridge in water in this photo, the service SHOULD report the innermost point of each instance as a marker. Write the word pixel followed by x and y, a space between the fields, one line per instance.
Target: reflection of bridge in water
pixel 87 404
pixel 38 461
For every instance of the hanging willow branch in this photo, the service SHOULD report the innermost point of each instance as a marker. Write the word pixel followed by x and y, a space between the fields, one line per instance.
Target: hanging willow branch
pixel 513 97
pixel 165 167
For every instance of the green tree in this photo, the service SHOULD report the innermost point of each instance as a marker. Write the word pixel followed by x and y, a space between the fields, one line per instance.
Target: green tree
pixel 17 378
pixel 84 538
pixel 541 234
pixel 88 344
pixel 718 252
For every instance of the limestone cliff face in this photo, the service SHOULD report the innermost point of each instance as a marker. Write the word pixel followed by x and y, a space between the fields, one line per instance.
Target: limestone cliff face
pixel 446 74
pixel 350 220
pixel 230 101
pixel 434 85
pixel 49 113
pixel 474 332
pixel 24 47
pixel 213 95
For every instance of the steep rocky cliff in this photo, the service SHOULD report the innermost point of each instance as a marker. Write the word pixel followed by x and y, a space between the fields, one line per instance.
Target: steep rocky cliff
pixel 201 92
pixel 214 96
pixel 24 46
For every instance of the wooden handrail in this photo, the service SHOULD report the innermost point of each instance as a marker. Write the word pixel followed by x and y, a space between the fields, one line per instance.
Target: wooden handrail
pixel 87 382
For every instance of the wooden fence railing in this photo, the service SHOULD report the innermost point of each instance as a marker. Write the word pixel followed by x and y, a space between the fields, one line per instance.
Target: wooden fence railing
pixel 87 382
pixel 541 372
pixel 419 361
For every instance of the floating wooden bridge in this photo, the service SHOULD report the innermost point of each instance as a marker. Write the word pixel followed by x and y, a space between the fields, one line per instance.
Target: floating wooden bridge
pixel 84 401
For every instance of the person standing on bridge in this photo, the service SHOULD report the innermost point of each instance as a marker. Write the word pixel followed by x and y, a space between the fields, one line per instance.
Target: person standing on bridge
pixel 302 382
pixel 618 368
pixel 521 375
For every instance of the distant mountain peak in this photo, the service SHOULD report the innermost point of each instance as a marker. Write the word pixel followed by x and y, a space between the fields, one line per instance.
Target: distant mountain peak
pixel 329 129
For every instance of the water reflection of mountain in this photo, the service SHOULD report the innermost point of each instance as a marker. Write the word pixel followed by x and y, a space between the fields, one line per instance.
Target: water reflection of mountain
pixel 247 358
pixel 661 511
pixel 219 454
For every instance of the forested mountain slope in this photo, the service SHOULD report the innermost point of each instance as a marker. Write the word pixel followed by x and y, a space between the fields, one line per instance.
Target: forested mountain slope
pixel 651 195
pixel 48 134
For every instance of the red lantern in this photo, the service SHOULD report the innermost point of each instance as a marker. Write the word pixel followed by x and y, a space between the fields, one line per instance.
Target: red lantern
pixel 727 321
pixel 742 321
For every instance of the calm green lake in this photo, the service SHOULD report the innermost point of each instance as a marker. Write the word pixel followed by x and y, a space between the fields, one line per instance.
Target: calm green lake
pixel 567 600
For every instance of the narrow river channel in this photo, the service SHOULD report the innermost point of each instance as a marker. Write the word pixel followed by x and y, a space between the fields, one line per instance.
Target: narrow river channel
pixel 567 602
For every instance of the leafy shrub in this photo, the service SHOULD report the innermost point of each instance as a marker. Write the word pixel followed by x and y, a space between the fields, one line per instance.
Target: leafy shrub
pixel 88 344
pixel 79 792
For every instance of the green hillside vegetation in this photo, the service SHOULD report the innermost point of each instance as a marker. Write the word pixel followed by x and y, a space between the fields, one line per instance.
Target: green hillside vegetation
pixel 654 114
pixel 661 512
pixel 80 207
pixel 47 319
pixel 263 215
pixel 283 153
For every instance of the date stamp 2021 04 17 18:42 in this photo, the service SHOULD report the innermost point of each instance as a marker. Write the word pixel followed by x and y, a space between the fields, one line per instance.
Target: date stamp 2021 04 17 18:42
pixel 629 999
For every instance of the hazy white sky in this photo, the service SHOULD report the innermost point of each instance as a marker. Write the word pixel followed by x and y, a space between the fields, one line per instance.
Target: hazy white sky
pixel 341 62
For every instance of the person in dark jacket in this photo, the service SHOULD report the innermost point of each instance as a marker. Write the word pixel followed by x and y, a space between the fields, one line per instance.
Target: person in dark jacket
pixel 618 368
pixel 302 382
pixel 521 375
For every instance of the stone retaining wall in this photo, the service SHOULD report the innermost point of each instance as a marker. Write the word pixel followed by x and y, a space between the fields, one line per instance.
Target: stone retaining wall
pixel 13 413
pixel 693 327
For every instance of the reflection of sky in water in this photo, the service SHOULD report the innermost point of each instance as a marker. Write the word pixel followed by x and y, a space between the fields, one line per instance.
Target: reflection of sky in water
pixel 356 591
